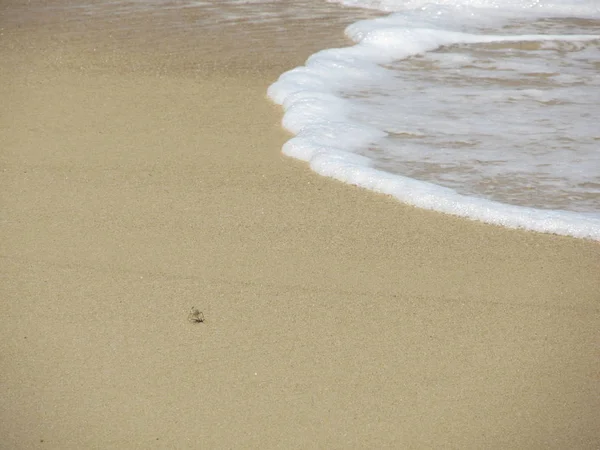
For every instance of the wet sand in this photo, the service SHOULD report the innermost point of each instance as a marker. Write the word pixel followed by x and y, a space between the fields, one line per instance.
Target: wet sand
pixel 142 176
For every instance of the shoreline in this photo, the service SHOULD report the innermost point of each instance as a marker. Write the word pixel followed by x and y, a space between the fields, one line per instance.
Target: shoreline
pixel 319 108
pixel 138 184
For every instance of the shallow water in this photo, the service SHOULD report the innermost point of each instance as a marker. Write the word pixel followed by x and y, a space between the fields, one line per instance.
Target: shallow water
pixel 486 113
pixel 514 122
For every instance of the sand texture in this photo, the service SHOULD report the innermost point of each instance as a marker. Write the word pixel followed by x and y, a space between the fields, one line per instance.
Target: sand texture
pixel 141 176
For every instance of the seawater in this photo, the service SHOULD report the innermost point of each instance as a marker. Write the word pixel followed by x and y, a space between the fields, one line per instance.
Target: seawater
pixel 484 109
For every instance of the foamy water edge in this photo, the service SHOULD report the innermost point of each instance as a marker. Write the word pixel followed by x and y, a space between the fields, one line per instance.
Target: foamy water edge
pixel 325 135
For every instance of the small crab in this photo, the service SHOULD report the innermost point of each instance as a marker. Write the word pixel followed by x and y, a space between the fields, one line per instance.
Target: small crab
pixel 195 316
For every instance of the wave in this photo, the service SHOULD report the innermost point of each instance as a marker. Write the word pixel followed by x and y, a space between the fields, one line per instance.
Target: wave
pixel 332 141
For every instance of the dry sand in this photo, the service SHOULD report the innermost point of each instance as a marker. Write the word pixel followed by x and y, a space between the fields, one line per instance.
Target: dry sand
pixel 142 175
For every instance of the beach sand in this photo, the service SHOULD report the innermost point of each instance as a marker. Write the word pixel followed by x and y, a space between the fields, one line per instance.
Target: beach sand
pixel 142 176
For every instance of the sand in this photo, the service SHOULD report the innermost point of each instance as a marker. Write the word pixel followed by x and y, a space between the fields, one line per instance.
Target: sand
pixel 142 176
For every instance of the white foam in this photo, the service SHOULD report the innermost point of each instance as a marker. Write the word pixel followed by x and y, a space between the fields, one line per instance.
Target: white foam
pixel 562 8
pixel 324 103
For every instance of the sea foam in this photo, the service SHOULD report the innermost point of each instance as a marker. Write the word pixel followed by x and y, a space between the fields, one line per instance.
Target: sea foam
pixel 328 106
